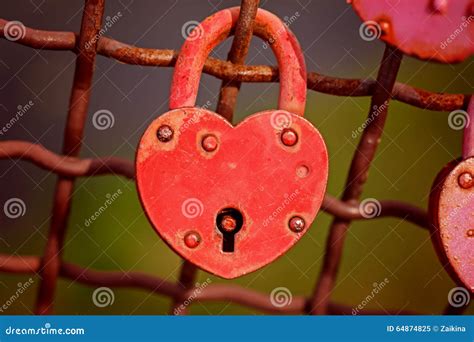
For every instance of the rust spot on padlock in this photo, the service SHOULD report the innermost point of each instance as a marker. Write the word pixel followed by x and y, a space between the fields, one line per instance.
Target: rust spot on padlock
pixel 297 224
pixel 289 137
pixel 452 214
pixel 164 133
pixel 440 30
pixel 209 143
pixel 192 239
pixel 466 180
pixel 236 188
pixel 229 222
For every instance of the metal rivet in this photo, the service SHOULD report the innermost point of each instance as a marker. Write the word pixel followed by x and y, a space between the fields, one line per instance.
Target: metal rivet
pixel 228 223
pixel 192 239
pixel 209 143
pixel 470 233
pixel 302 171
pixel 466 180
pixel 289 137
pixel 439 6
pixel 165 133
pixel 297 224
pixel 385 27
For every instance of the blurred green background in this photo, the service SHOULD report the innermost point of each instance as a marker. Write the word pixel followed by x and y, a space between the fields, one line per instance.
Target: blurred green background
pixel 415 145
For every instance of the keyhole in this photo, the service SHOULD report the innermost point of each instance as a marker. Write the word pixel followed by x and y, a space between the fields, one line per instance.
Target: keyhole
pixel 229 221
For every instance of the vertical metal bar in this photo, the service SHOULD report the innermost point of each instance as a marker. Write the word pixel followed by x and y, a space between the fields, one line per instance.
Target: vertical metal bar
pixel 78 104
pixel 358 173
pixel 187 278
pixel 227 99
pixel 240 46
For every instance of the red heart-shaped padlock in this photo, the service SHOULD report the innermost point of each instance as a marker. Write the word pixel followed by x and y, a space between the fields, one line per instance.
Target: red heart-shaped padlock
pixel 232 199
pixel 442 30
pixel 452 209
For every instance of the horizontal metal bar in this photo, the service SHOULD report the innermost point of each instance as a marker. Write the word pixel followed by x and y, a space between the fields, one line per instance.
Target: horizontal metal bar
pixel 56 40
pixel 156 285
pixel 76 167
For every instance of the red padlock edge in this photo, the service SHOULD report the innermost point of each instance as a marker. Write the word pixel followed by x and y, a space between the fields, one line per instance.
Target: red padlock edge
pixel 419 50
pixel 468 138
pixel 439 185
pixel 433 209
pixel 218 27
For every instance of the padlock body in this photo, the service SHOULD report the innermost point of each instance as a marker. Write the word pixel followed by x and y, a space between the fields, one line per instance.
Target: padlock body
pixel 452 216
pixel 184 184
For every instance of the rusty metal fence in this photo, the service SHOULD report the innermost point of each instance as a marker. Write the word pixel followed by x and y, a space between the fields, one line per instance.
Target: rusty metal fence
pixel 233 72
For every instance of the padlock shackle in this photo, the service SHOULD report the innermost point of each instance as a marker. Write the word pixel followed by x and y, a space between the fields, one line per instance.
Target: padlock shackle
pixel 215 29
pixel 468 139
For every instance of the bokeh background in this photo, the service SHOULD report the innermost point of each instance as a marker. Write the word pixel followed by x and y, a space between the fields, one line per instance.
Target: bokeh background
pixel 415 145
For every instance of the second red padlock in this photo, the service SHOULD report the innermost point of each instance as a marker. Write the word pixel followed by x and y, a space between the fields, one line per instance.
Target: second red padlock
pixel 452 208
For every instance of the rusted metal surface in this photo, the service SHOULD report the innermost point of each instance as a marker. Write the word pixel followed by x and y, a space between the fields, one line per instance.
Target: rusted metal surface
pixel 79 101
pixel 427 29
pixel 238 51
pixel 68 167
pixel 186 281
pixel 211 293
pixel 75 167
pixel 212 31
pixel 357 177
pixel 228 71
pixel 71 167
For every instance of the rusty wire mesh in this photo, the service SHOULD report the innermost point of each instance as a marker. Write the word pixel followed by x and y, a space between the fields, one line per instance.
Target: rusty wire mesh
pixel 232 72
